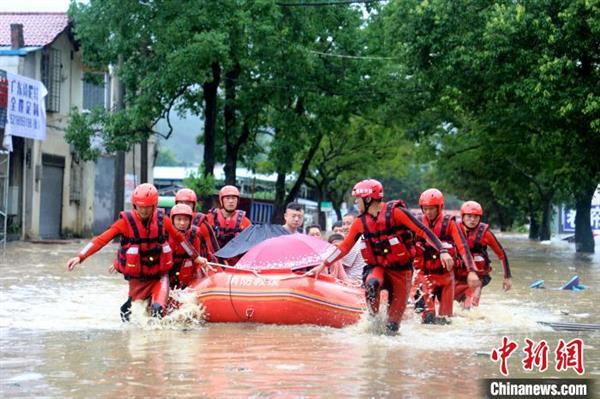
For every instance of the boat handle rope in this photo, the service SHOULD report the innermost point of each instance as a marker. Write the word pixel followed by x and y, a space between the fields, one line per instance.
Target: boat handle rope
pixel 258 274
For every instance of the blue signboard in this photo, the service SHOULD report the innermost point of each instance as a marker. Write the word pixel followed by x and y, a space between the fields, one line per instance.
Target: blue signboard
pixel 567 219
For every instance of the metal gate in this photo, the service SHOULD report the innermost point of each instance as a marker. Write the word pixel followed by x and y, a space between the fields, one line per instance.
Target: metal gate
pixel 51 196
pixel 104 199
pixel 4 181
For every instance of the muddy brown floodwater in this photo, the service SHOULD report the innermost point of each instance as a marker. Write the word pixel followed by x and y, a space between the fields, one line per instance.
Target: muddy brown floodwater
pixel 61 337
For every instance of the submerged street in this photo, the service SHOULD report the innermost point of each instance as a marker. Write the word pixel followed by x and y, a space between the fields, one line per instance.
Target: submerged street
pixel 61 336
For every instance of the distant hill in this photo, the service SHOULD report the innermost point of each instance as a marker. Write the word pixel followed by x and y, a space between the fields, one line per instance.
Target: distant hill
pixel 183 139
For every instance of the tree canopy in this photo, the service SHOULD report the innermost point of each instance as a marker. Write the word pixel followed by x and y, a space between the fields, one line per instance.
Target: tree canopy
pixel 496 101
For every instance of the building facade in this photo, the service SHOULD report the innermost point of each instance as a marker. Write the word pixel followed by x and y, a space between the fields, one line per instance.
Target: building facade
pixel 52 193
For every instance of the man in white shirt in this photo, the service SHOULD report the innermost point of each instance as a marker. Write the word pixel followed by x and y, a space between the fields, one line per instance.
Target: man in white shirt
pixel 353 262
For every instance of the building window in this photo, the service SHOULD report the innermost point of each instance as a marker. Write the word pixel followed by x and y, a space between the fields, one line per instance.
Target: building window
pixel 93 90
pixel 51 77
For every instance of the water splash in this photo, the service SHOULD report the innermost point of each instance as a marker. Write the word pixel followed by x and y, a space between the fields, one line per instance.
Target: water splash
pixel 469 329
pixel 184 313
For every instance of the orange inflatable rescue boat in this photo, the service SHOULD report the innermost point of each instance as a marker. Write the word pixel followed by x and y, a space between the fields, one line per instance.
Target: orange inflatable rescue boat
pixel 278 296
pixel 267 287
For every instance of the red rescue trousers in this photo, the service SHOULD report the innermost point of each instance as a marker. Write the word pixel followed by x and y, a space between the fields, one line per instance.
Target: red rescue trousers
pixel 440 286
pixel 397 282
pixel 157 290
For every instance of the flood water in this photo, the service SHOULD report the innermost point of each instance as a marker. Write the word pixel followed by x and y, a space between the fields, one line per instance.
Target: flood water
pixel 61 337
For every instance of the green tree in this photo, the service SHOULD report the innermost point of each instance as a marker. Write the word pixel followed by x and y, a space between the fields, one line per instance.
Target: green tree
pixel 473 64
pixel 351 153
pixel 166 157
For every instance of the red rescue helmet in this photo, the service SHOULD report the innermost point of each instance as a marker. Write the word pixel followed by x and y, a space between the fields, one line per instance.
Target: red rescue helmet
pixel 187 195
pixel 182 209
pixel 471 208
pixel 431 197
pixel 368 188
pixel 145 195
pixel 228 191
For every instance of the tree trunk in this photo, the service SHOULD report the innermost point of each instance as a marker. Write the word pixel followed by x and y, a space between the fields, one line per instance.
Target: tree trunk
pixel 230 118
pixel 546 228
pixel 584 237
pixel 117 106
pixel 279 205
pixel 230 167
pixel 320 214
pixel 210 118
pixel 304 169
pixel 503 219
pixel 534 227
pixel 337 208
pixel 144 161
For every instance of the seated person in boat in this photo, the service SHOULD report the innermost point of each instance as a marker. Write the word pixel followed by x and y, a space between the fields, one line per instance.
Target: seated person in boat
pixel 353 261
pixel 337 228
pixel 337 269
pixel 293 217
pixel 314 230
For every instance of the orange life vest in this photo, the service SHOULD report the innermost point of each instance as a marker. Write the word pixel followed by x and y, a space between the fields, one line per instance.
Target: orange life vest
pixel 385 244
pixel 479 250
pixel 144 252
pixel 198 219
pixel 226 230
pixel 184 269
pixel 431 257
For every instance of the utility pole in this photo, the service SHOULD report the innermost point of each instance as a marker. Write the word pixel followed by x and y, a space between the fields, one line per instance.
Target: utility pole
pixel 117 106
pixel 144 161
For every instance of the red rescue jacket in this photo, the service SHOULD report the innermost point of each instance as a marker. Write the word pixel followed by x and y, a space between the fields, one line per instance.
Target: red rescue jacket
pixel 384 243
pixel 184 270
pixel 224 229
pixel 145 252
pixel 430 257
pixel 198 218
pixel 479 249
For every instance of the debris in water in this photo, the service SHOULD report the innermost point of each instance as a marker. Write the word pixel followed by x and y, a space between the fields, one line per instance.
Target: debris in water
pixel 573 285
pixel 537 284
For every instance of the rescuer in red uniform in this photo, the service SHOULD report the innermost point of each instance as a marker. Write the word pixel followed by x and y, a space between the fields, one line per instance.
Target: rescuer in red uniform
pixel 228 221
pixel 388 248
pixel 188 197
pixel 479 237
pixel 434 280
pixel 184 270
pixel 145 256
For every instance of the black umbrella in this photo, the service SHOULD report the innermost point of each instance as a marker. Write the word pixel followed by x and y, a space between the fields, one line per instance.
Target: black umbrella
pixel 248 238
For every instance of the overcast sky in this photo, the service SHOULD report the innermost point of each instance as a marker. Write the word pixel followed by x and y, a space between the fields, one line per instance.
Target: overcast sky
pixel 34 5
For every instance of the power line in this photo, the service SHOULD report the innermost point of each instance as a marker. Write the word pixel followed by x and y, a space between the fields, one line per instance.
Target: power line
pixel 354 57
pixel 328 3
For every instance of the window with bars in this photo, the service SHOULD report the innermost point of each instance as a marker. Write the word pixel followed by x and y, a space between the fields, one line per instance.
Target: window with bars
pixel 93 90
pixel 51 77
